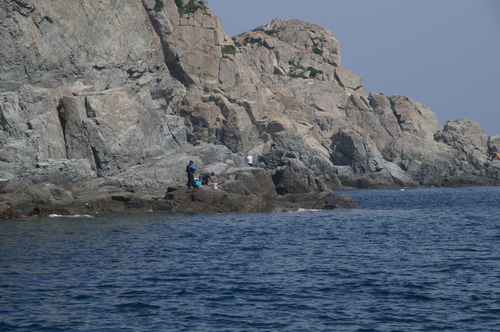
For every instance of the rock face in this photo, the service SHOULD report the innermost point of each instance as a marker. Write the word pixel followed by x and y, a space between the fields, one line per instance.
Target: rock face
pixel 101 98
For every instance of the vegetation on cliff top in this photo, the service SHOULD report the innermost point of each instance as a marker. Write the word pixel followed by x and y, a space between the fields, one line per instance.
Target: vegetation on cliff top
pixel 191 7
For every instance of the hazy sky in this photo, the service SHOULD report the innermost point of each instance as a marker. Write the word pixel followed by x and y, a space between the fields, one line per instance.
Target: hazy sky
pixel 444 54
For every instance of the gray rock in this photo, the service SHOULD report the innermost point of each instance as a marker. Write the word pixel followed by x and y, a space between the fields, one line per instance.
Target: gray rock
pixel 493 144
pixel 288 182
pixel 5 177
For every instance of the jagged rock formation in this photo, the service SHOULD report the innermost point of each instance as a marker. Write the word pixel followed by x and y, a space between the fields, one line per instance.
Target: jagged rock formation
pixel 100 98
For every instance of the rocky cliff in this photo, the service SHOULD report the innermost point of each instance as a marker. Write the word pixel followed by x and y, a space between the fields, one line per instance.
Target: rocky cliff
pixel 102 99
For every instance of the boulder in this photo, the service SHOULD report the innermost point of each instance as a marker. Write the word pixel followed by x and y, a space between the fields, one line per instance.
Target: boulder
pixel 6 212
pixel 493 144
pixel 249 181
pixel 288 182
pixel 466 136
pixel 5 177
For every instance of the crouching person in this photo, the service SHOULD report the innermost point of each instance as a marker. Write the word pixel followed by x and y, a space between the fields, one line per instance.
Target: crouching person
pixel 207 177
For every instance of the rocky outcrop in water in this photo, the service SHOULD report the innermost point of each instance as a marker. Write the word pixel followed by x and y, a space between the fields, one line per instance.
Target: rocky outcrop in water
pixel 6 212
pixel 100 98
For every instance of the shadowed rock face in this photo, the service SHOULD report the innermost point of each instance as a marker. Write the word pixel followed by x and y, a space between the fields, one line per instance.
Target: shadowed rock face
pixel 100 98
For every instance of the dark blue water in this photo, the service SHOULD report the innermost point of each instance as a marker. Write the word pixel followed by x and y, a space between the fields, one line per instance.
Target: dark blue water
pixel 412 260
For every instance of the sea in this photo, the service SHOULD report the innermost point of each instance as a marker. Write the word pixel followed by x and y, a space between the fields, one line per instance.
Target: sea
pixel 405 260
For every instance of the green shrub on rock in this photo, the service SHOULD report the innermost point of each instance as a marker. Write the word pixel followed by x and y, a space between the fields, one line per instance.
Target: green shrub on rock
pixel 228 49
pixel 317 51
pixel 191 7
pixel 159 5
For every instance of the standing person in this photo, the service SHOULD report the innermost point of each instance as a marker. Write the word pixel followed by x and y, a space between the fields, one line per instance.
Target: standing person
pixel 207 177
pixel 249 159
pixel 190 169
pixel 451 170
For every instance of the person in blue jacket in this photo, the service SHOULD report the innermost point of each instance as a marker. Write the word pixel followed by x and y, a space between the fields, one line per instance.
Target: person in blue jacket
pixel 190 169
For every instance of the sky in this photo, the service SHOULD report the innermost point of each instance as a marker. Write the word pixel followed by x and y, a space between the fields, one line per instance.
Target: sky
pixel 444 54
